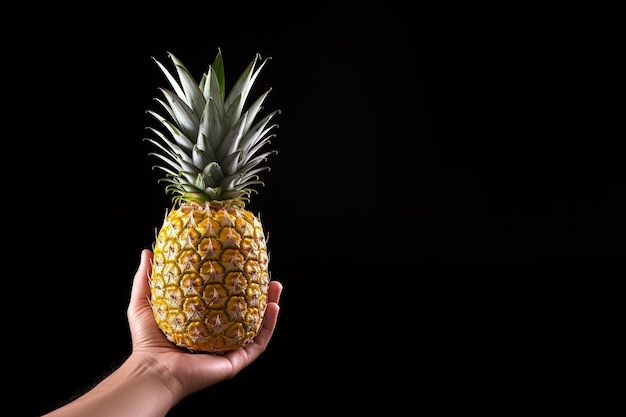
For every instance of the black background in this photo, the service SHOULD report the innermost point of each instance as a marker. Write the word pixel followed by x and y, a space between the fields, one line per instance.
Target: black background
pixel 445 211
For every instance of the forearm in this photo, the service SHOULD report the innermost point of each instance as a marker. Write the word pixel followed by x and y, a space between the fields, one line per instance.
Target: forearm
pixel 133 390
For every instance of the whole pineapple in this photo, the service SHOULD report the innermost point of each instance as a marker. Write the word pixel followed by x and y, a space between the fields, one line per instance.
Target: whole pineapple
pixel 210 271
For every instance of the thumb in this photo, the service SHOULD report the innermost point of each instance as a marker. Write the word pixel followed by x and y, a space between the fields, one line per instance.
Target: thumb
pixel 140 292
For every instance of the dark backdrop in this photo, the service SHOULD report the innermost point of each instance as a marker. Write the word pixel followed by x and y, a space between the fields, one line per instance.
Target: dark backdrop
pixel 445 210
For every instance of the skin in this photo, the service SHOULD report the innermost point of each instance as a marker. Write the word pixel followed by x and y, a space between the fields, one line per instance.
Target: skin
pixel 157 375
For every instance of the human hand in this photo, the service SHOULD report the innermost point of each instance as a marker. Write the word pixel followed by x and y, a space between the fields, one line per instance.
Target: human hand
pixel 184 372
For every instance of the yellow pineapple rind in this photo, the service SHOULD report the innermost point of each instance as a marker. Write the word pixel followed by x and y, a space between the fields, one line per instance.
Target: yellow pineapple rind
pixel 210 276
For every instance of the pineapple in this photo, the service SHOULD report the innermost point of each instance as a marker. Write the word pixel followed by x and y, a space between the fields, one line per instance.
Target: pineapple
pixel 210 271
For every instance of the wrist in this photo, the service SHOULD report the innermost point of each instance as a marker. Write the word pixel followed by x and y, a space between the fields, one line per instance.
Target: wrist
pixel 146 370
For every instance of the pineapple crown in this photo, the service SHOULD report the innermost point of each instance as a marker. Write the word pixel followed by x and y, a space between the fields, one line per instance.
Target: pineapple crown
pixel 211 145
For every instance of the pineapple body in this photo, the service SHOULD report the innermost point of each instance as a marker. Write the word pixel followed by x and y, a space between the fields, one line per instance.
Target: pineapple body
pixel 210 276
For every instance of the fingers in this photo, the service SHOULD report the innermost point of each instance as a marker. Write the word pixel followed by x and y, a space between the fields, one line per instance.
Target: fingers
pixel 242 358
pixel 271 313
pixel 274 291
